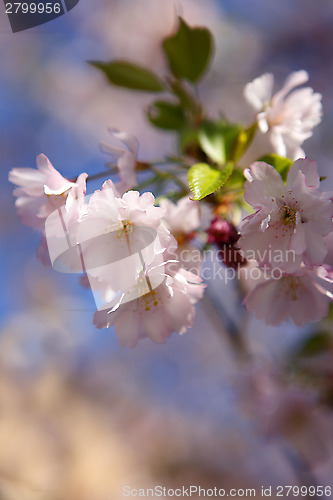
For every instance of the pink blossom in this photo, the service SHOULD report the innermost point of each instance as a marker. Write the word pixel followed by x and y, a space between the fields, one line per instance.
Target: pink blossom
pixel 116 234
pixel 159 312
pixel 40 191
pixel 290 221
pixel 107 212
pixel 183 217
pixel 125 157
pixel 284 409
pixel 61 228
pixel 303 297
pixel 289 115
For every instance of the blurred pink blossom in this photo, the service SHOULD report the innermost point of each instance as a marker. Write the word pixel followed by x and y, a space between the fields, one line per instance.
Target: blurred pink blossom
pixel 124 157
pixel 303 297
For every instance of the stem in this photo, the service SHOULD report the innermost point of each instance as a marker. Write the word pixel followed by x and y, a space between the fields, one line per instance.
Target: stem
pixel 233 328
pixel 147 182
pixel 169 175
pixel 169 159
pixel 106 173
pixel 173 195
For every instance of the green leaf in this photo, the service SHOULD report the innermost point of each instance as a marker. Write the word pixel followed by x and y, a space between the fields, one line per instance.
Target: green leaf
pixel 166 115
pixel 282 165
pixel 242 142
pixel 188 51
pixel 189 144
pixel 216 140
pixel 204 180
pixel 236 179
pixel 131 76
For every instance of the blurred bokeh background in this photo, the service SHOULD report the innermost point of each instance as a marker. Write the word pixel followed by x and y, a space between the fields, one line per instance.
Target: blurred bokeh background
pixel 80 417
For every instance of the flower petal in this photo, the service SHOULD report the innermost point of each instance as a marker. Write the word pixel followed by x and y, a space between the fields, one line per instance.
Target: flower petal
pixel 259 91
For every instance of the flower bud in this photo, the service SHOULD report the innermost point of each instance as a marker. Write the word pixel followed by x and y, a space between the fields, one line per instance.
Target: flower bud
pixel 222 232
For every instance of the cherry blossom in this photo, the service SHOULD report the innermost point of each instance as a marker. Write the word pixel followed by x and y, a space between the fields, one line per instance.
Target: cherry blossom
pixel 39 192
pixel 117 235
pixel 146 296
pixel 125 158
pixel 303 297
pixel 61 229
pixel 289 115
pixel 290 221
pixel 183 219
pixel 285 409
pixel 158 312
pixel 109 212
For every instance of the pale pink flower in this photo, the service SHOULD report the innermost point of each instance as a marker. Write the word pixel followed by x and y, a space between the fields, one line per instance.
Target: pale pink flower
pixel 40 191
pixel 290 221
pixel 125 158
pixel 115 232
pixel 303 297
pixel 182 218
pixel 61 229
pixel 289 115
pixel 157 313
pixel 107 212
pixel 76 203
pixel 77 192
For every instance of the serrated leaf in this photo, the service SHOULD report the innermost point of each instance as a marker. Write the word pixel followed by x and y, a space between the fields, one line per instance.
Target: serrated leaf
pixel 216 139
pixel 188 51
pixel 282 165
pixel 166 115
pixel 130 76
pixel 204 180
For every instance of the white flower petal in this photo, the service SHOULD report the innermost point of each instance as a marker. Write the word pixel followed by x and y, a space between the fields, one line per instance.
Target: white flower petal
pixel 259 91
pixel 265 185
pixel 294 80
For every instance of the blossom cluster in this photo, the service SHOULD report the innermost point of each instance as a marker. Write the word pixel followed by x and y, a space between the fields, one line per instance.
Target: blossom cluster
pixel 287 231
pixel 130 249
pixel 122 244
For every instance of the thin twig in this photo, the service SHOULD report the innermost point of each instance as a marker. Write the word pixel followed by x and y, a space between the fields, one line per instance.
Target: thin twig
pixel 106 173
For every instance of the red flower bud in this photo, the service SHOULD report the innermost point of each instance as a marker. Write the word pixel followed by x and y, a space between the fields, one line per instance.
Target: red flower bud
pixel 222 232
